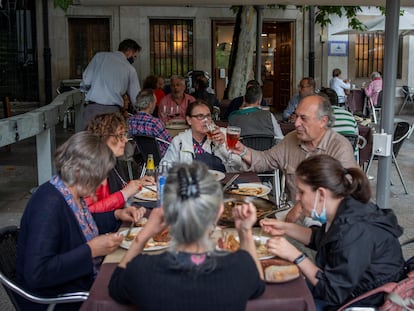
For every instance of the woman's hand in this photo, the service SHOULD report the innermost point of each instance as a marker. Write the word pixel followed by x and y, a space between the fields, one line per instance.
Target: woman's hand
pixel 280 247
pixel 134 186
pixel 104 244
pixel 155 224
pixel 273 227
pixel 245 216
pixel 130 213
pixel 217 136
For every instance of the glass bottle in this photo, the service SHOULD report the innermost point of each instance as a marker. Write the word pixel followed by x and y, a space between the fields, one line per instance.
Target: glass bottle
pixel 161 178
pixel 150 169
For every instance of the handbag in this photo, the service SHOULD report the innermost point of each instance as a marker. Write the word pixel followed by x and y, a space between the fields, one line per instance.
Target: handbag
pixel 399 296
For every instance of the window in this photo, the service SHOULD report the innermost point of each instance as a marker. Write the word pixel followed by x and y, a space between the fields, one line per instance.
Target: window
pixel 369 54
pixel 171 47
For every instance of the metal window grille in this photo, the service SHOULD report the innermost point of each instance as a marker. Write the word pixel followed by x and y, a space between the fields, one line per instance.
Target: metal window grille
pixel 369 54
pixel 171 46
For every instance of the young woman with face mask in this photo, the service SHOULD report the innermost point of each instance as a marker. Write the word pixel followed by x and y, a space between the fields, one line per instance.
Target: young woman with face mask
pixel 357 247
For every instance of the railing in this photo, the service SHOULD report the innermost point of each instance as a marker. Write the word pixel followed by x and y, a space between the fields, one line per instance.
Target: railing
pixel 41 123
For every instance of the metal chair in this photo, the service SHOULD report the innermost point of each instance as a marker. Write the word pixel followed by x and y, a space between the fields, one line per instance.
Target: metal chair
pixel 375 111
pixel 264 142
pixel 402 131
pixel 8 254
pixel 357 142
pixel 408 94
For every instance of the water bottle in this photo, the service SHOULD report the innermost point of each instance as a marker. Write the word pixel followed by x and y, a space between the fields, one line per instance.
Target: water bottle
pixel 161 178
pixel 150 168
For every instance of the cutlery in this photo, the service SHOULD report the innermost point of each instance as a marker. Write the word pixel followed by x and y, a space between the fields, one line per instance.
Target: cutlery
pixel 127 237
pixel 149 188
pixel 230 182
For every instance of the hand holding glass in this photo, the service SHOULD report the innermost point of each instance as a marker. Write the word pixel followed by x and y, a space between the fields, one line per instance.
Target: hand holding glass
pixel 232 137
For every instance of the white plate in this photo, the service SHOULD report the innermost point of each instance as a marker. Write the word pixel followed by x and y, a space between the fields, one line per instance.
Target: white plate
pixel 217 174
pixel 146 194
pixel 125 244
pixel 244 189
pixel 176 126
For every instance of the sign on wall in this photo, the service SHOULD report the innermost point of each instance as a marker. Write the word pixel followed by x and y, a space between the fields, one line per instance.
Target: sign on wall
pixel 338 48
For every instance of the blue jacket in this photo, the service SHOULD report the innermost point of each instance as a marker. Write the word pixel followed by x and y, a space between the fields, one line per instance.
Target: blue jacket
pixel 52 254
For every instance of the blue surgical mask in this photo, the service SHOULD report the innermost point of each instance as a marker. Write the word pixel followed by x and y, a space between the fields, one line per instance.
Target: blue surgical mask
pixel 131 59
pixel 322 217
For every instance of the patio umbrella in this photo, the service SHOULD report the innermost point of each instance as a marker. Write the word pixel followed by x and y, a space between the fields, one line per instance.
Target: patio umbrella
pixel 377 24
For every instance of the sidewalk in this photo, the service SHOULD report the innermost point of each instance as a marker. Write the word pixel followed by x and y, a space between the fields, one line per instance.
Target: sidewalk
pixel 18 177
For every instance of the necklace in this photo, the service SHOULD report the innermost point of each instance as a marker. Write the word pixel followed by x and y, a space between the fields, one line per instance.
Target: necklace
pixel 124 183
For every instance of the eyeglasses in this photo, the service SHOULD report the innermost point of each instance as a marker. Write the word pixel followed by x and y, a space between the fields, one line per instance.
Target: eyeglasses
pixel 201 116
pixel 120 136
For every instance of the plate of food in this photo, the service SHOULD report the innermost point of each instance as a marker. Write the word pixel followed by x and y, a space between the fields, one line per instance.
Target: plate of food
pixel 264 207
pixel 217 174
pixel 230 242
pixel 147 195
pixel 158 242
pixel 277 270
pixel 250 189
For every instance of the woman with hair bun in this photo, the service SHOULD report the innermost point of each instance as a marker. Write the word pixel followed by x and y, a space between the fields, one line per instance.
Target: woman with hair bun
pixel 357 247
pixel 192 275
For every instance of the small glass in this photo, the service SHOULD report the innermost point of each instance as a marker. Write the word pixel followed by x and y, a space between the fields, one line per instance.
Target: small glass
pixel 210 126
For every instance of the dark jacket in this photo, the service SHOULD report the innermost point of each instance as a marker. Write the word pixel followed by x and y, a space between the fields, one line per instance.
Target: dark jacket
pixel 360 251
pixel 52 254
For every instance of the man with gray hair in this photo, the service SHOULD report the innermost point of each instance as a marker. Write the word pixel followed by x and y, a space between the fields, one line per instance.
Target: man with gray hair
pixel 174 105
pixel 313 135
pixel 143 123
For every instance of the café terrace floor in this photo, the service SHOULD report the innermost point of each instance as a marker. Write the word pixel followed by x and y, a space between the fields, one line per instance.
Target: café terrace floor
pixel 18 176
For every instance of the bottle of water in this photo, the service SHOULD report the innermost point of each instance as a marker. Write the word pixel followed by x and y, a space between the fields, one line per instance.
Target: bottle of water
pixel 161 178
pixel 150 168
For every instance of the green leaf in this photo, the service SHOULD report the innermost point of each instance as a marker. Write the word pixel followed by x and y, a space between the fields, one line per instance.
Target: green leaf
pixel 63 4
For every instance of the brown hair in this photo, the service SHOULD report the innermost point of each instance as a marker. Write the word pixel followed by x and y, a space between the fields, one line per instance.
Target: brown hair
pixel 324 171
pixel 150 82
pixel 197 102
pixel 107 124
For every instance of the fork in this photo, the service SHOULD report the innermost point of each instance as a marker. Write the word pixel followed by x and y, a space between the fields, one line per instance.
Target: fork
pixel 230 182
pixel 127 237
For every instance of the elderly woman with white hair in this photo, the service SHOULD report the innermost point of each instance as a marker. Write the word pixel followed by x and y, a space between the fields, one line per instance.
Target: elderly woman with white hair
pixel 374 87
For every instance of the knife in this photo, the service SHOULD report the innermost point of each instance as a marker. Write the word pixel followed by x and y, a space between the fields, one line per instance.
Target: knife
pixel 149 188
pixel 230 182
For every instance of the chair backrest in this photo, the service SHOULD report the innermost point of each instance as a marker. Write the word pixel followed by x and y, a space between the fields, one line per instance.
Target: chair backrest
pixel 148 145
pixel 256 142
pixel 8 255
pixel 405 90
pixel 353 139
pixel 401 132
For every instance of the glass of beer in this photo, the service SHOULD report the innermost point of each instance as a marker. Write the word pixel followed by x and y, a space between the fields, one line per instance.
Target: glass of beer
pixel 210 126
pixel 232 137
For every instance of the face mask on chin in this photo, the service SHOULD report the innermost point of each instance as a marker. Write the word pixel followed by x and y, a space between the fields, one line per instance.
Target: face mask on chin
pixel 130 60
pixel 322 217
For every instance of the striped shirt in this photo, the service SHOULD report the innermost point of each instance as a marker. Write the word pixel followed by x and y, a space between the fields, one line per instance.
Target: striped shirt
pixel 344 121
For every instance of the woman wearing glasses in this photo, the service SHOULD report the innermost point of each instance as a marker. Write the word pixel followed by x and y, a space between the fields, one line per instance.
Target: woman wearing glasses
pixel 115 191
pixel 194 144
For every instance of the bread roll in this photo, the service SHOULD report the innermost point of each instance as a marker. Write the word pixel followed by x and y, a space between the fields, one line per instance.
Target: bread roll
pixel 281 273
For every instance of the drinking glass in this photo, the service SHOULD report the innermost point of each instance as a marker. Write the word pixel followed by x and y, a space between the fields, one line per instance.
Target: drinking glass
pixel 232 137
pixel 211 126
pixel 164 112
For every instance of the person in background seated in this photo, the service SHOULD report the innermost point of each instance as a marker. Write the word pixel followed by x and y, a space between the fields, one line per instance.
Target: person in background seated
pixel 174 105
pixel 236 102
pixel 156 83
pixel 251 119
pixel 143 123
pixel 306 87
pixel 114 191
pixel 357 246
pixel 194 144
pixel 61 244
pixel 200 86
pixel 191 275
pixel 374 87
pixel 339 86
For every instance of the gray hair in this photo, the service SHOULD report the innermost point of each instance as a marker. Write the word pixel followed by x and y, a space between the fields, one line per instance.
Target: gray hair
pixel 144 99
pixel 192 199
pixel 84 160
pixel 324 108
pixel 178 77
pixel 375 74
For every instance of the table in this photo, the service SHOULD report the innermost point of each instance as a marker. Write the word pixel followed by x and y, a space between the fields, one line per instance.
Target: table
pixel 293 295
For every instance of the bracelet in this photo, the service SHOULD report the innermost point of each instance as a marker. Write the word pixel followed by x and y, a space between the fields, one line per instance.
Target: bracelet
pixel 301 258
pixel 244 152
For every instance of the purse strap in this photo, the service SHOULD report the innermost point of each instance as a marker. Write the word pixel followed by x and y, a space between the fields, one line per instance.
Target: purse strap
pixel 407 303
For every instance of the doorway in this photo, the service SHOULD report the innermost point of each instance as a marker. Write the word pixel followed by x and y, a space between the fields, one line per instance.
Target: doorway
pixel 276 55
